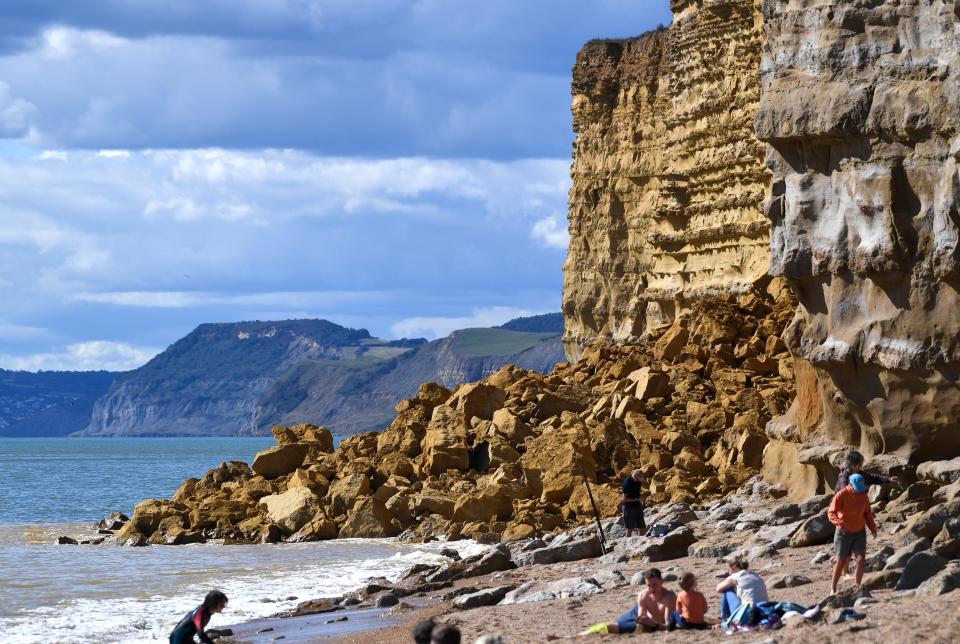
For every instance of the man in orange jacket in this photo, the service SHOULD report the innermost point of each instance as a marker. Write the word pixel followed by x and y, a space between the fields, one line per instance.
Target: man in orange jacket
pixel 850 512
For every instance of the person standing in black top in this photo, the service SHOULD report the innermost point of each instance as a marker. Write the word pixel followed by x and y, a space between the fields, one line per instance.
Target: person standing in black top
pixel 854 465
pixel 632 504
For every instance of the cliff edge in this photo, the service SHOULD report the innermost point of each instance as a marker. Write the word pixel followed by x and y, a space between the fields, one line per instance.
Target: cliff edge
pixel 668 177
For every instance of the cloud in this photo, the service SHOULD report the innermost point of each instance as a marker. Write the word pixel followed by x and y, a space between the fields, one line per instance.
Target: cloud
pixel 187 299
pixel 438 327
pixel 145 247
pixel 549 232
pixel 16 114
pixel 83 356
pixel 376 79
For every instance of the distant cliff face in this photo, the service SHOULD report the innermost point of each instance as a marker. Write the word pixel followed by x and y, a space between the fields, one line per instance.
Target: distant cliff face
pixel 362 397
pixel 208 382
pixel 861 108
pixel 241 379
pixel 668 177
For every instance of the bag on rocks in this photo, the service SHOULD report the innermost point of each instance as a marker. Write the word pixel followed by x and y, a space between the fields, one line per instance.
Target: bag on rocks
pixel 658 530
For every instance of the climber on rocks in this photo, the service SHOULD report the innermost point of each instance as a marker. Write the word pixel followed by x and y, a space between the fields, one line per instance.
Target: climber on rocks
pixel 854 465
pixel 632 504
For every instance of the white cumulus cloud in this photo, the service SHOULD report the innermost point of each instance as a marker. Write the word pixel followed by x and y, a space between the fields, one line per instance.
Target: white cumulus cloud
pixel 83 356
pixel 550 232
pixel 438 327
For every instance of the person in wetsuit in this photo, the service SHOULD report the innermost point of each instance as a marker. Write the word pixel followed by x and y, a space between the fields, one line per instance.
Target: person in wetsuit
pixel 195 622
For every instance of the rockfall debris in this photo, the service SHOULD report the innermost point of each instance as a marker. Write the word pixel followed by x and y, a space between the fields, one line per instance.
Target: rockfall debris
pixel 505 458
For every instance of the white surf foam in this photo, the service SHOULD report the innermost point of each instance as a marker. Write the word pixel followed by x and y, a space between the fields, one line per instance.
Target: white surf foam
pixel 258 583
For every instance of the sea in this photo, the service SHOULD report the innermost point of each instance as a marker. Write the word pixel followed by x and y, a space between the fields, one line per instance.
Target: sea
pixel 65 593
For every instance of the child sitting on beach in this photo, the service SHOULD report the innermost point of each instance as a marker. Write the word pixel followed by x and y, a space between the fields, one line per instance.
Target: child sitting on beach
pixel 195 622
pixel 691 606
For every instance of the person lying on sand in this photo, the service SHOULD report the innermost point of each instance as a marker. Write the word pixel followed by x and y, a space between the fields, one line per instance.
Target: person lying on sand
pixel 195 622
pixel 655 605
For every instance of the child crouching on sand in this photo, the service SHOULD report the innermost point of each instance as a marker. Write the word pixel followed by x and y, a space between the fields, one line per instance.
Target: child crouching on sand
pixel 691 606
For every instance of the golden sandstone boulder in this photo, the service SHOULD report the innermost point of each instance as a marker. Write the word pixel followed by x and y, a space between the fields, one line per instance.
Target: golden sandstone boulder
pixel 280 460
pixel 369 518
pixel 292 509
pixel 346 491
pixel 477 400
pixel 319 437
pixel 562 457
pixel 445 442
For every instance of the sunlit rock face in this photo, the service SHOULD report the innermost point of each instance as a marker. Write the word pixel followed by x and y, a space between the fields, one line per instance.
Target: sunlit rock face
pixel 860 107
pixel 668 177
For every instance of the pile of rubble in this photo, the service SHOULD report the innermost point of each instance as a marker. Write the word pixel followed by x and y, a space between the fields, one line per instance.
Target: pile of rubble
pixel 505 458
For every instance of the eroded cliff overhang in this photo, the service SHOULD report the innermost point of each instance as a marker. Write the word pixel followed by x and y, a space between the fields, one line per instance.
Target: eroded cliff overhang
pixel 860 107
pixel 668 177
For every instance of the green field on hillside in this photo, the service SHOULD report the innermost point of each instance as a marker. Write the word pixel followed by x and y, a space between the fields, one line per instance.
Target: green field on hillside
pixel 477 343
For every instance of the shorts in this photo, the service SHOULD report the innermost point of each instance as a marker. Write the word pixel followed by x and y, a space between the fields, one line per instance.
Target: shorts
pixel 633 517
pixel 848 543
pixel 627 623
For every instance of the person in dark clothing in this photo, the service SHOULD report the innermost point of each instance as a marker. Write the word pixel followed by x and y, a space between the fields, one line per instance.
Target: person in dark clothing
pixel 422 631
pixel 195 622
pixel 445 634
pixel 854 465
pixel 632 504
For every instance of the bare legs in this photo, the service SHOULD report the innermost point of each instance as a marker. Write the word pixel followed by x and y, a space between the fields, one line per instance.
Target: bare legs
pixel 838 569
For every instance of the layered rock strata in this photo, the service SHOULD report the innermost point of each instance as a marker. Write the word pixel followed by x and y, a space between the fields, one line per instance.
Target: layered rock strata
pixel 506 457
pixel 668 178
pixel 860 109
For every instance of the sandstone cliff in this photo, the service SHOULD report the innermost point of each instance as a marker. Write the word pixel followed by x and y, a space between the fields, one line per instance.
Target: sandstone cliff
pixel 668 178
pixel 861 109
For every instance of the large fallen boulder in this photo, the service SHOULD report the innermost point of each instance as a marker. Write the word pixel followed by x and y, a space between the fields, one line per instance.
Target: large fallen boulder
pixel 369 518
pixel 538 591
pixel 484 597
pixel 940 471
pixel 292 509
pixel 570 551
pixel 920 567
pixel 671 546
pixel 280 460
pixel 814 531
pixel 493 560
pixel 945 581
pixel 445 442
pixel 899 558
pixel 931 522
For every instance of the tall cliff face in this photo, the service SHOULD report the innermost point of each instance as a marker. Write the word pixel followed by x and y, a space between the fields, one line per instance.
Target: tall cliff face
pixel 861 108
pixel 668 178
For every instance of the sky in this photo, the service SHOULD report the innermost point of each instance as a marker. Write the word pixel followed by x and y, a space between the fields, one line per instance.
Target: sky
pixel 400 166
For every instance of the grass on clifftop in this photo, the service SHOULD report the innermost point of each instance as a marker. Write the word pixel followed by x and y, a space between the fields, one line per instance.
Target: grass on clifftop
pixel 477 343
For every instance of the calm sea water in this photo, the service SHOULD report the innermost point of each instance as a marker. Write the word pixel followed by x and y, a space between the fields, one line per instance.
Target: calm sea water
pixel 64 480
pixel 52 593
